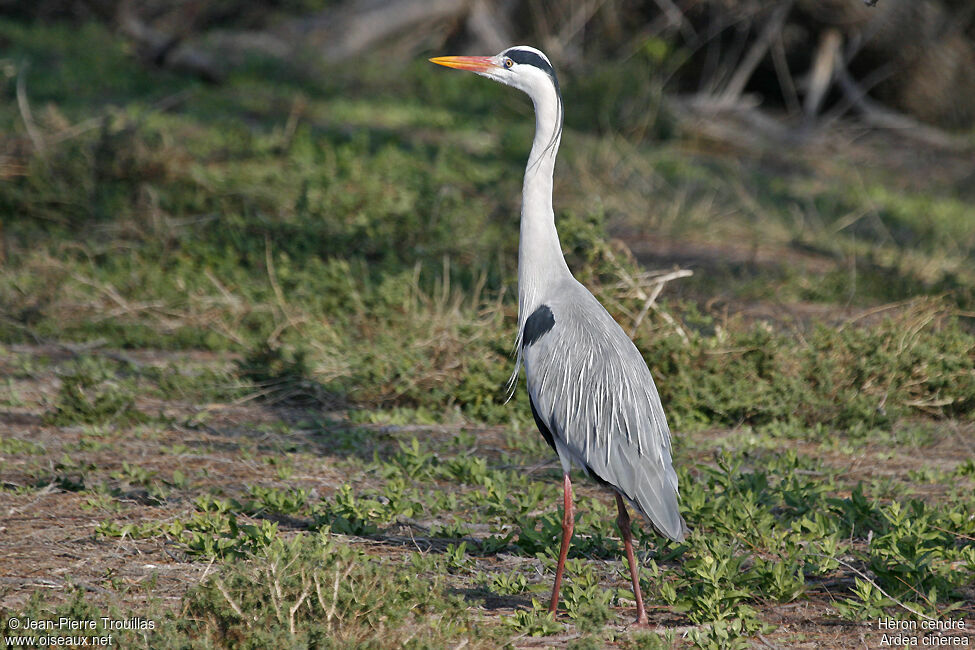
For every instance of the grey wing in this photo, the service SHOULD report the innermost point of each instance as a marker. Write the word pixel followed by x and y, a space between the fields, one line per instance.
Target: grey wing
pixel 591 387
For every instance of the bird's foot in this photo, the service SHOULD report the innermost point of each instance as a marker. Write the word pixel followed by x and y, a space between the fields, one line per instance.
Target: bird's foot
pixel 553 611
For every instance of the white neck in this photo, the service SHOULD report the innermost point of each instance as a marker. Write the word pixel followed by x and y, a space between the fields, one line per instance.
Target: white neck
pixel 540 260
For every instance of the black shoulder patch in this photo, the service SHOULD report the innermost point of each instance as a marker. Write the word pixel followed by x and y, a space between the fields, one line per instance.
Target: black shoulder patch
pixel 540 322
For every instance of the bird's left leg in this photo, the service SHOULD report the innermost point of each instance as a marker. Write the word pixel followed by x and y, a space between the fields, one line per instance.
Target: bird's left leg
pixel 623 521
pixel 568 520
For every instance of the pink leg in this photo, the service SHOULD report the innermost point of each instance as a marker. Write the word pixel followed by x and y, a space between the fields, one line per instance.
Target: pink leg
pixel 623 521
pixel 568 521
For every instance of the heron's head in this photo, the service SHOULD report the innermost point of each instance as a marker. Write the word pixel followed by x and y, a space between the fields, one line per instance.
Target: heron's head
pixel 530 71
pixel 521 66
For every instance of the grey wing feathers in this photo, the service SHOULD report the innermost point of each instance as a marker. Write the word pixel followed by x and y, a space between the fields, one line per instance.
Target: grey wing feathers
pixel 590 386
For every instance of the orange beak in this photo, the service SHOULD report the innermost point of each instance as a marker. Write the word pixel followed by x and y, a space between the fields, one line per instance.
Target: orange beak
pixel 472 63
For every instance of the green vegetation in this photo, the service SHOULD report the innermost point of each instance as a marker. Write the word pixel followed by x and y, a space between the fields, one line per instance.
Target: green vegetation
pixel 855 378
pixel 767 528
pixel 261 331
pixel 90 395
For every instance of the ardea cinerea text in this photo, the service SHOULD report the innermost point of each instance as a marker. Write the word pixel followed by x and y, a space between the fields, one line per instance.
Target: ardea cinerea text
pixel 590 390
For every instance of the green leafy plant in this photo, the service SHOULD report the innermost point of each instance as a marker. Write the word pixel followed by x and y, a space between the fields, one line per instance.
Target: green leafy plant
pixel 585 601
pixel 534 622
pixel 507 584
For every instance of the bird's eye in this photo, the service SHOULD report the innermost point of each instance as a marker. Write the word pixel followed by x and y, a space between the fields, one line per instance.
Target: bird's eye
pixel 508 63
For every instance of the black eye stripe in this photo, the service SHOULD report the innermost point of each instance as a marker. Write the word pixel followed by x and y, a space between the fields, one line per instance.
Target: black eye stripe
pixel 530 58
pixel 525 57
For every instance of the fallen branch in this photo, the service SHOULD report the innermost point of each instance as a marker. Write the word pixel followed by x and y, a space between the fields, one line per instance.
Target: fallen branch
pixel 823 71
pixel 878 116
pixel 658 286
pixel 875 585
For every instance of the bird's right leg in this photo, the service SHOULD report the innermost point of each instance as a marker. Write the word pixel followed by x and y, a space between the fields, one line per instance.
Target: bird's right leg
pixel 623 521
pixel 568 520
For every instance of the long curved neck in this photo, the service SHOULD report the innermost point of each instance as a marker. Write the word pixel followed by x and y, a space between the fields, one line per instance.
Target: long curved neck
pixel 540 260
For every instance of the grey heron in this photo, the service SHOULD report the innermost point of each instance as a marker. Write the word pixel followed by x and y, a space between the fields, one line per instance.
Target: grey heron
pixel 591 393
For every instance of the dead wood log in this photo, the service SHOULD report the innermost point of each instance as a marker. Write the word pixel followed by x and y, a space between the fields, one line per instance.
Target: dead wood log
pixel 930 44
pixel 875 114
